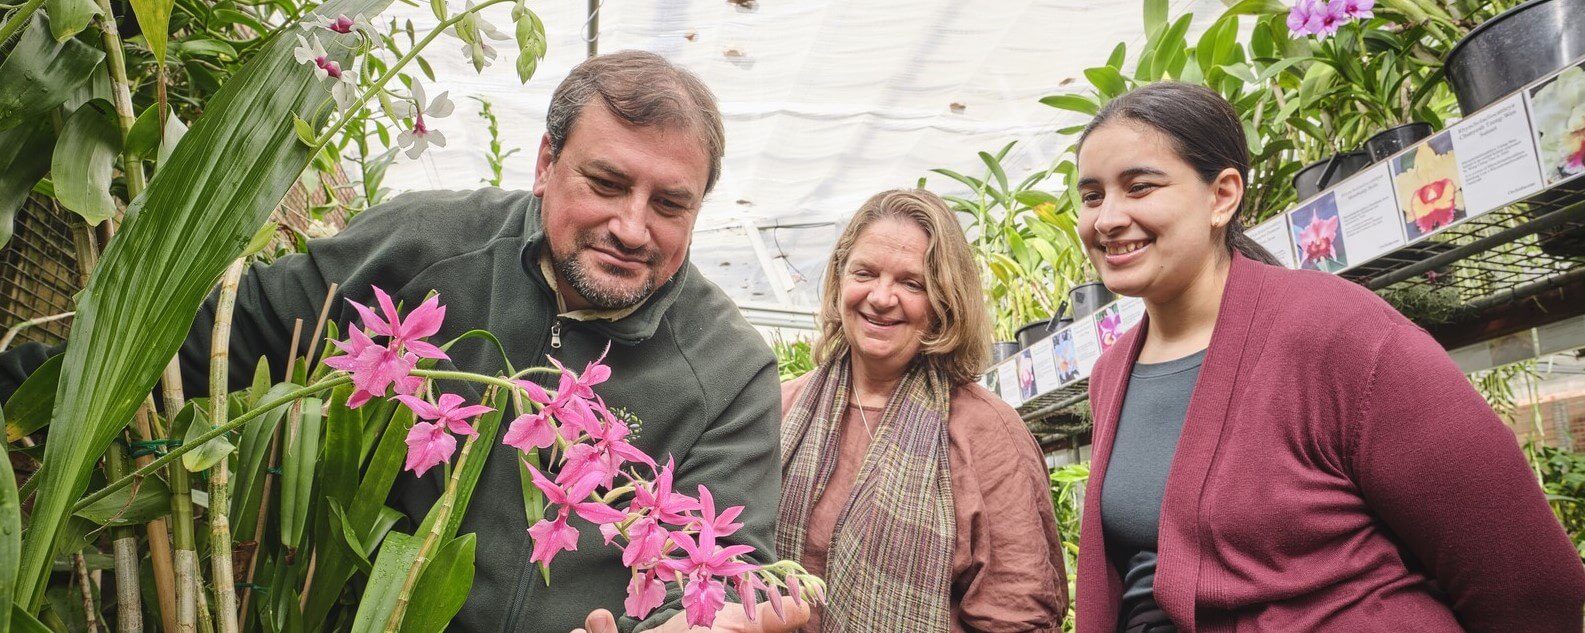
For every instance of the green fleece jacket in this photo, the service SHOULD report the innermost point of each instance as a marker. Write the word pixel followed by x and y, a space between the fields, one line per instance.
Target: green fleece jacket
pixel 686 363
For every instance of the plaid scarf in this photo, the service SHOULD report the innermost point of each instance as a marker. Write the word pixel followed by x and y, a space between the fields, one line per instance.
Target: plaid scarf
pixel 890 564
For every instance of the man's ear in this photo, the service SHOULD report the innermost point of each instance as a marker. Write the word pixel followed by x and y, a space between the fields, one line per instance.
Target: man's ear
pixel 542 168
pixel 1226 192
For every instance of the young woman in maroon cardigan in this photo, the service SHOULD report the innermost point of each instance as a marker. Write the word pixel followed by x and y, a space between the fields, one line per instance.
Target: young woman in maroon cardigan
pixel 1280 450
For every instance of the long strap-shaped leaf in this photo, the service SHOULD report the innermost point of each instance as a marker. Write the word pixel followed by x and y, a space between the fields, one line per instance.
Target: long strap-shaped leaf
pixel 221 183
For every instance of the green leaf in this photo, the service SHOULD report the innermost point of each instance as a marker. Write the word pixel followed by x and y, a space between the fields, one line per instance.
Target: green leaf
pixel 487 426
pixel 1155 14
pixel 338 484
pixel 140 503
pixel 439 8
pixel 25 152
pixel 260 239
pixel 1257 7
pixel 423 65
pixel 28 408
pixel 1072 103
pixel 208 48
pixel 994 166
pixel 1118 56
pixel 299 460
pixel 40 73
pixel 348 537
pixel 1242 72
pixel 1317 82
pixel 397 556
pixel 240 18
pixel 231 170
pixel 154 19
pixel 1107 80
pixel 305 132
pixel 10 540
pixel 70 17
pixel 84 162
pixel 206 456
pixel 441 588
pixel 253 450
pixel 23 622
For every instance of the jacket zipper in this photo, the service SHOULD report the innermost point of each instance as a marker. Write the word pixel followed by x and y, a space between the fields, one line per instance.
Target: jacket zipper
pixel 526 574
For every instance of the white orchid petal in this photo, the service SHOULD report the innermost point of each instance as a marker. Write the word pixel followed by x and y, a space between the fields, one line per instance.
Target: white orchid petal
pixel 418 147
pixel 436 138
pixel 402 109
pixel 440 107
pixel 418 95
pixel 405 138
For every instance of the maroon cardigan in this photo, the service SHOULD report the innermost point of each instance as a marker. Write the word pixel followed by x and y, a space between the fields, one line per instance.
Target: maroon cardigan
pixel 1336 472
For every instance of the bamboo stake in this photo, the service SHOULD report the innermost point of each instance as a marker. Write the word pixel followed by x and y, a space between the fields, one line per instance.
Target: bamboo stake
pixel 158 531
pixel 121 94
pixel 269 481
pixel 186 557
pixel 220 479
pixel 90 614
pixel 129 611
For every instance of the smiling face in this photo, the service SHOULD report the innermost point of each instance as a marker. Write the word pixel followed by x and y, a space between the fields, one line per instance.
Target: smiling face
pixel 885 306
pixel 619 206
pixel 1149 223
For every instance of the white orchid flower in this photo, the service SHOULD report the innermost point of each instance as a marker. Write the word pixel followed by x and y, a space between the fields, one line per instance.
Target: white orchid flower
pixel 473 30
pixel 344 88
pixel 419 137
pixel 339 24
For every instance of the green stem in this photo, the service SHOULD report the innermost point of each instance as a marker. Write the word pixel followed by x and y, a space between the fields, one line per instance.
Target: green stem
pixel 175 453
pixel 379 84
pixel 121 93
pixel 394 623
pixel 18 19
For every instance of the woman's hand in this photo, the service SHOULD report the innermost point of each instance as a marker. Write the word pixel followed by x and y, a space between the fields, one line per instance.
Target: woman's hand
pixel 729 619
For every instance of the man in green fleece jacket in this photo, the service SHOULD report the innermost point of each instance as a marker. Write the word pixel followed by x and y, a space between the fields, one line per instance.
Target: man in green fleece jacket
pixel 597 254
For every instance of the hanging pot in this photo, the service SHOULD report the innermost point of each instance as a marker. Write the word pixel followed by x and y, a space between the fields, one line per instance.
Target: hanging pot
pixel 1086 298
pixel 1032 332
pixel 1317 176
pixel 1520 45
pixel 1389 141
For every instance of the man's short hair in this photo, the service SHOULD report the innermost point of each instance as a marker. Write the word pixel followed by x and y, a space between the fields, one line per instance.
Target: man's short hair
pixel 643 89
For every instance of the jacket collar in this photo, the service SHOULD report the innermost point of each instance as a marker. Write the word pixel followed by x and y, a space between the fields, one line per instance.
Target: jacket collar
pixel 631 329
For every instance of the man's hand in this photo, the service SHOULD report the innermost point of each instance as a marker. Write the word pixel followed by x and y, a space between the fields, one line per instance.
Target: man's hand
pixel 729 619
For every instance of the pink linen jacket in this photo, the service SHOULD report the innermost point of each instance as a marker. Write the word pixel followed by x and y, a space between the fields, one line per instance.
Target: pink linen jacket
pixel 1336 472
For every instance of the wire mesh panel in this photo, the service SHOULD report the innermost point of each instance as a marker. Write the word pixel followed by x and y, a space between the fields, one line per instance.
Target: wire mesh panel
pixel 38 271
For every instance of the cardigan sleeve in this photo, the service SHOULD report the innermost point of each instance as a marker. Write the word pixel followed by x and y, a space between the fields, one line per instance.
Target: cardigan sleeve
pixel 1437 465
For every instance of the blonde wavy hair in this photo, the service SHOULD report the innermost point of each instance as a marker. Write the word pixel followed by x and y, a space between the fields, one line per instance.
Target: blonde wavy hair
pixel 959 340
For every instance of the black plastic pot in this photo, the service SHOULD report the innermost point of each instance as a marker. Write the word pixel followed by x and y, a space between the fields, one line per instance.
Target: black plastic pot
pixel 1389 141
pixel 1032 332
pixel 1003 350
pixel 1317 176
pixel 1086 298
pixel 1518 46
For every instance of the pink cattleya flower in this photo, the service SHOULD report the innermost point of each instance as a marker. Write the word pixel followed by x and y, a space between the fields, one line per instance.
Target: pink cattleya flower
pixel 644 593
pixel 1576 161
pixel 428 445
pixel 1357 9
pixel 530 431
pixel 1316 240
pixel 1111 329
pixel 447 413
pixel 374 368
pixel 720 525
pixel 704 563
pixel 582 385
pixel 407 335
pixel 647 543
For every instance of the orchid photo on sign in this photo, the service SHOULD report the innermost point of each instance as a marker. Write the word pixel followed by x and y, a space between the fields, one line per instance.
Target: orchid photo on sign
pixel 1430 190
pixel 1318 235
pixel 1558 107
pixel 1109 326
pixel 1067 356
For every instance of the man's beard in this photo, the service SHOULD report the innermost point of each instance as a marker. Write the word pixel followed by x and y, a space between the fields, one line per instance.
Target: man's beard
pixel 585 283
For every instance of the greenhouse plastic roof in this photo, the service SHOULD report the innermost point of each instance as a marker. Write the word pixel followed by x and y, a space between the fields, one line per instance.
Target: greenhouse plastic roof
pixel 826 102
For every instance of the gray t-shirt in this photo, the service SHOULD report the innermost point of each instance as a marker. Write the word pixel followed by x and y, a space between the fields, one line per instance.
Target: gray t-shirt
pixel 1136 478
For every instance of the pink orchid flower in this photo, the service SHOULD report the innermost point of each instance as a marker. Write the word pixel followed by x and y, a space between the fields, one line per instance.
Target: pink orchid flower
pixel 646 544
pixel 375 368
pixel 1332 18
pixel 421 322
pixel 705 562
pixel 720 525
pixel 1357 9
pixel 1317 237
pixel 747 584
pixel 428 445
pixel 1300 16
pixel 663 503
pixel 644 593
pixel 530 431
pixel 554 536
pixel 582 385
pixel 447 413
